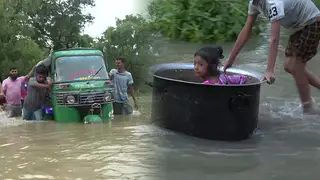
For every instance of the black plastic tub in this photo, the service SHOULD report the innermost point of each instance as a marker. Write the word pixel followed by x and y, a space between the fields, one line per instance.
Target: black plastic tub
pixel 216 112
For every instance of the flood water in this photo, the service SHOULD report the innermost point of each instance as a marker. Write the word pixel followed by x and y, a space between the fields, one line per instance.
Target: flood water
pixel 286 146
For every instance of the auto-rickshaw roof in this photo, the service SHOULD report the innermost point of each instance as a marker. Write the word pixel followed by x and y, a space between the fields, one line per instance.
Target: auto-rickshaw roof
pixel 76 52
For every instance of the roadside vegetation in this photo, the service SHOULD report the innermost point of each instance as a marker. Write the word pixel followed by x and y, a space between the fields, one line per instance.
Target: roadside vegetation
pixel 30 28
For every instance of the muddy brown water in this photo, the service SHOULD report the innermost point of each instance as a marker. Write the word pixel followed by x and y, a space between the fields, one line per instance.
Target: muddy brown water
pixel 286 145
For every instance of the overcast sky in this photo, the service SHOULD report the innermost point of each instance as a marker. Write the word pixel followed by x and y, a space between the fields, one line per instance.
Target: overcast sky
pixel 106 11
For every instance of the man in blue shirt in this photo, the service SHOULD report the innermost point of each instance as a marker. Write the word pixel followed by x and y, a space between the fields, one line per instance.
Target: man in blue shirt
pixel 122 81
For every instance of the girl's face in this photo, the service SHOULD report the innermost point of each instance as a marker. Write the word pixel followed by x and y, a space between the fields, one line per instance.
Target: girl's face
pixel 200 67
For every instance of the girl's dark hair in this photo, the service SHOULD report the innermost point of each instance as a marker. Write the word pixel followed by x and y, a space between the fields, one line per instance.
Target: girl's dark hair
pixel 212 56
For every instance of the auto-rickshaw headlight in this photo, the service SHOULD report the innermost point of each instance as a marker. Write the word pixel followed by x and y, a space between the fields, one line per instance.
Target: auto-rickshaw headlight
pixel 71 99
pixel 107 97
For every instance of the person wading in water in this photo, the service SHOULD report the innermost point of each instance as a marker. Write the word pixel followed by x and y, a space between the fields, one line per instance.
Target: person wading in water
pixel 302 17
pixel 122 81
pixel 11 91
pixel 36 94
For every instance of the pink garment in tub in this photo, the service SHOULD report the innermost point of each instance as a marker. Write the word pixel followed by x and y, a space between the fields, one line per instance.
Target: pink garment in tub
pixel 231 79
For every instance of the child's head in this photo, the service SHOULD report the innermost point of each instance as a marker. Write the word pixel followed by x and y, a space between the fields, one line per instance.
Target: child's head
pixel 41 74
pixel 206 61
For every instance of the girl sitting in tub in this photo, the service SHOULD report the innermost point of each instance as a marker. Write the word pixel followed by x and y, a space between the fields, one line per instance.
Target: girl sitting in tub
pixel 206 62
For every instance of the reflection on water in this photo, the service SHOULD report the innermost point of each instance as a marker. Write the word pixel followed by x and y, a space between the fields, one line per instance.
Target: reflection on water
pixel 286 145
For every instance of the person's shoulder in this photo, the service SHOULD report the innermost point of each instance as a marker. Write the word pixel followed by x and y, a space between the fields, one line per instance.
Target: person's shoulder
pixel 5 81
pixel 287 4
pixel 279 3
pixel 277 9
pixel 128 73
pixel 21 78
pixel 113 71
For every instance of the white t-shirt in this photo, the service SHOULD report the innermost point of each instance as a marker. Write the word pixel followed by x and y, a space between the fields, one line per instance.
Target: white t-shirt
pixel 293 14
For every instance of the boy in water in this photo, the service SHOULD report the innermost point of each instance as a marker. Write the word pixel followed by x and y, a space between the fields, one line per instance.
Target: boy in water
pixel 122 81
pixel 302 17
pixel 36 94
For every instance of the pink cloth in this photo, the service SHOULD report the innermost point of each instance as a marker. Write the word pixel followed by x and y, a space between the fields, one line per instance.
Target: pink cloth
pixel 231 79
pixel 13 89
pixel 23 90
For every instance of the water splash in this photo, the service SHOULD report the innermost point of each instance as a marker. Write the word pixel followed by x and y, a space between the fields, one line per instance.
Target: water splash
pixel 283 108
pixel 5 121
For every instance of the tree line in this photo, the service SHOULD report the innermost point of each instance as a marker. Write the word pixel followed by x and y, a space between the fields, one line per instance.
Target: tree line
pixel 29 28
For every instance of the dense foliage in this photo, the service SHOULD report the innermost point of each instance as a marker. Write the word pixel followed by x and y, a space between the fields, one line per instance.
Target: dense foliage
pixel 16 49
pixel 29 28
pixel 199 21
pixel 57 23
pixel 132 40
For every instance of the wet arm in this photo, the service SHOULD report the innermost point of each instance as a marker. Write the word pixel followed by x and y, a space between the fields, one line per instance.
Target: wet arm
pixel 111 73
pixel 1 92
pixel 131 91
pixel 3 89
pixel 39 85
pixel 34 83
pixel 243 37
pixel 30 74
pixel 274 43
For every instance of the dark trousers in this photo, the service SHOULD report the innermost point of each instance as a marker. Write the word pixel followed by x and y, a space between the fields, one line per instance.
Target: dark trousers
pixel 122 108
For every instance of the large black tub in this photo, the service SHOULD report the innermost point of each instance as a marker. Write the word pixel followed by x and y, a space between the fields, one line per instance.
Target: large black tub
pixel 217 112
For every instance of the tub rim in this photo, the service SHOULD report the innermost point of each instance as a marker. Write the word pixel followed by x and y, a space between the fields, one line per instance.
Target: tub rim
pixel 186 66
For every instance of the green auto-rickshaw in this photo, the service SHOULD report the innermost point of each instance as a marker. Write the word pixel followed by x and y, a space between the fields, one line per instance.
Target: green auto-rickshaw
pixel 82 90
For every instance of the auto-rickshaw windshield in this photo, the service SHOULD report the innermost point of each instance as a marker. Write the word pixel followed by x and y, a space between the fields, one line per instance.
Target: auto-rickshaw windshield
pixel 78 68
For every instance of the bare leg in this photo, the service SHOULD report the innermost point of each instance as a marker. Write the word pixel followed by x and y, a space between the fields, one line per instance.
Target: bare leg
pixel 297 69
pixel 313 79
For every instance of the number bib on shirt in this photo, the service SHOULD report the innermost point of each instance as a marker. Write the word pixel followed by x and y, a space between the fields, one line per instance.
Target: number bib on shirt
pixel 275 10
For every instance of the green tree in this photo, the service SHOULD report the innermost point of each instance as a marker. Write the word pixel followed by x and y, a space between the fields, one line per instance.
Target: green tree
pixel 85 40
pixel 57 22
pixel 131 39
pixel 15 48
pixel 199 21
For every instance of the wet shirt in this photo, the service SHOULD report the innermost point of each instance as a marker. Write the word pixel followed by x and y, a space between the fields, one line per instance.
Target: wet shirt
pixel 121 81
pixel 35 96
pixel 230 79
pixel 13 89
pixel 293 14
